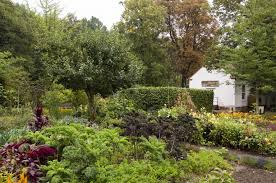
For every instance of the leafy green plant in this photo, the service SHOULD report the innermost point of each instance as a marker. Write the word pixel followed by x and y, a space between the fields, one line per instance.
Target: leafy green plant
pixel 139 171
pixel 204 161
pixel 218 176
pixel 171 112
pixel 113 108
pixel 152 148
pixel 11 135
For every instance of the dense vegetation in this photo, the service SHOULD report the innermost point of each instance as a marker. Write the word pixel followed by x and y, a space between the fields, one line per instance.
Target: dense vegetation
pixel 107 105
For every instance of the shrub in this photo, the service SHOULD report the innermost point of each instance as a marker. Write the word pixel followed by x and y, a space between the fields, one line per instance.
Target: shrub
pixel 154 98
pixel 174 131
pixel 204 161
pixel 235 133
pixel 18 156
pixel 112 108
pixel 39 121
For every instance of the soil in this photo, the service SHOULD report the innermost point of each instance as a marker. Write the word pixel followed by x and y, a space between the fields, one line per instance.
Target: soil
pixel 244 174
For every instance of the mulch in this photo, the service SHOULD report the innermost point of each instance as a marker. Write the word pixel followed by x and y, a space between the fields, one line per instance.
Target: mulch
pixel 244 174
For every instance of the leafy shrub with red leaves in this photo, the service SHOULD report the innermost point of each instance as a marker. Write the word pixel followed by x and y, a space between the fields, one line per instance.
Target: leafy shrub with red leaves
pixel 39 120
pixel 16 157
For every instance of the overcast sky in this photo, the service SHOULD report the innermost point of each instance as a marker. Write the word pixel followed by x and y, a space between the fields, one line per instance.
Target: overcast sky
pixel 108 11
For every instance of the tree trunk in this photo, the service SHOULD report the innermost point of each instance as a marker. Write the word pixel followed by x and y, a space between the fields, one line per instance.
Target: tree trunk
pixel 257 101
pixel 184 82
pixel 91 104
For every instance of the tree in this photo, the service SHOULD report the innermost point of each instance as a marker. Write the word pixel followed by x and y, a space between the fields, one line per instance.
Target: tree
pixel 15 33
pixel 143 23
pixel 251 56
pixel 14 80
pixel 99 62
pixel 191 29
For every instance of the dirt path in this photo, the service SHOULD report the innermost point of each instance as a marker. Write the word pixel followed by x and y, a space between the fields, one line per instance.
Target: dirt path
pixel 243 174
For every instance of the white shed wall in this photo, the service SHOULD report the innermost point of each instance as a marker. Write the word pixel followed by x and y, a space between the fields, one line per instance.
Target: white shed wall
pixel 225 93
pixel 239 101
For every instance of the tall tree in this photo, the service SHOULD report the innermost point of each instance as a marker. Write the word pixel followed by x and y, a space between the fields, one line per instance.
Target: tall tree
pixel 251 56
pixel 191 29
pixel 143 23
pixel 99 62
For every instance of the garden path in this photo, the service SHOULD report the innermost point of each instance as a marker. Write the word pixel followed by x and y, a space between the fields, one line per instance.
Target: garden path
pixel 244 174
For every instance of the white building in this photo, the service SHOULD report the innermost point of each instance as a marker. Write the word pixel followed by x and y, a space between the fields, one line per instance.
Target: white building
pixel 228 93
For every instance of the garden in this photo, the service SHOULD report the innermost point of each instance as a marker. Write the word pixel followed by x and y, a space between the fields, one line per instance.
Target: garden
pixel 143 134
pixel 84 101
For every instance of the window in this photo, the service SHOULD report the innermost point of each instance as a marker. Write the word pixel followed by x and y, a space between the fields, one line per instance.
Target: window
pixel 210 83
pixel 243 92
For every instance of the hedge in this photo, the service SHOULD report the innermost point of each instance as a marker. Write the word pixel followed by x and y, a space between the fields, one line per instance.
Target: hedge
pixel 154 98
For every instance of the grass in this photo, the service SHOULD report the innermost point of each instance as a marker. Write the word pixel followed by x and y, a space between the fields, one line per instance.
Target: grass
pixel 14 120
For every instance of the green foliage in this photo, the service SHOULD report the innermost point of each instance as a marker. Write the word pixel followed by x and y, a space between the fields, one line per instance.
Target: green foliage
pixel 139 171
pixel 174 131
pixel 218 176
pixel 171 112
pixel 99 62
pixel 11 135
pixel 234 133
pixel 3 96
pixel 80 149
pixel 14 29
pixel 14 118
pixel 152 148
pixel 203 162
pixel 57 172
pixel 154 98
pixel 143 23
pixel 90 155
pixel 248 53
pixel 54 98
pixel 14 79
pixel 112 108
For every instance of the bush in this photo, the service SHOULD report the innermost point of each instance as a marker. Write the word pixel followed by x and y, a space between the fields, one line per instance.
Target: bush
pixel 154 98
pixel 235 133
pixel 175 131
pixel 204 161
pixel 110 110
pixel 17 157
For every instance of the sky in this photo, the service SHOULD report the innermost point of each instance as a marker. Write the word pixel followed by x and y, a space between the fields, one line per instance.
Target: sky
pixel 108 11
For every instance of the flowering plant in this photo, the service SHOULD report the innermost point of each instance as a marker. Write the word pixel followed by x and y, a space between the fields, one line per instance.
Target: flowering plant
pixel 25 156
